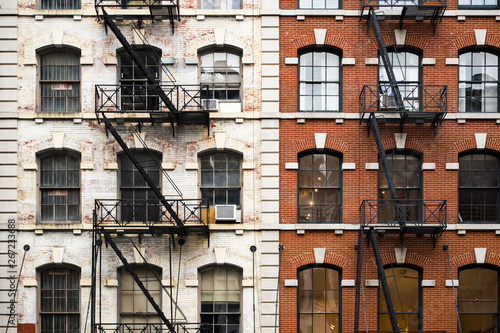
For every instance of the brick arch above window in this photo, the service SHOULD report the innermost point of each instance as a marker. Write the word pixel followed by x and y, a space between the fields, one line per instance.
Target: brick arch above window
pixel 469 145
pixel 112 148
pixel 469 258
pixel 309 259
pixel 57 141
pixel 244 264
pixel 331 144
pixel 411 258
pixel 208 41
pixel 336 42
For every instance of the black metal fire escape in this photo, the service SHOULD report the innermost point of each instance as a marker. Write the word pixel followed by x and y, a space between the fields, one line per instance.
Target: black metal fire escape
pixel 174 104
pixel 375 111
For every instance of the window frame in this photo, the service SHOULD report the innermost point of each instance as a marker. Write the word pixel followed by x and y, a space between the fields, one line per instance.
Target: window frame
pixel 41 188
pixel 238 271
pixel 201 5
pixel 68 268
pixel 477 7
pixel 339 187
pixel 320 50
pixel 403 83
pixel 479 266
pixel 151 201
pixel 52 51
pixel 473 51
pixel 338 270
pixel 40 5
pixel 149 100
pixel 380 172
pixel 419 271
pixel 151 271
pixel 211 86
pixel 227 188
pixel 478 188
pixel 319 8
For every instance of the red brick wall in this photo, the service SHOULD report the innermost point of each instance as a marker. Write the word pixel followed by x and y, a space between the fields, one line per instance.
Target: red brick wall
pixel 26 328
pixel 352 141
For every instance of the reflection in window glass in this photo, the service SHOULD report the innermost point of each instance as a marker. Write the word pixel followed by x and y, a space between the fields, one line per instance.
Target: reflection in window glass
pixel 134 306
pixel 319 300
pixel 478 82
pixel 478 300
pixel 220 299
pixel 59 300
pixel 479 4
pixel 60 82
pixel 319 82
pixel 221 71
pixel 220 178
pixel 139 202
pixel 404 290
pixel 319 4
pixel 60 187
pixel 220 4
pixel 478 188
pixel 319 188
pixel 406 176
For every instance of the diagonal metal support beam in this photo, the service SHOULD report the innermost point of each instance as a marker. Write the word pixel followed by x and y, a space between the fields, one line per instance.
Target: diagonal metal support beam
pixel 144 174
pixel 151 80
pixel 383 281
pixel 141 286
pixel 372 18
pixel 387 170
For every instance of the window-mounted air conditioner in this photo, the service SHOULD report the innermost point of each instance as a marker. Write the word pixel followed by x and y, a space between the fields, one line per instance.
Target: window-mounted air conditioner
pixel 227 213
pixel 210 104
pixel 388 102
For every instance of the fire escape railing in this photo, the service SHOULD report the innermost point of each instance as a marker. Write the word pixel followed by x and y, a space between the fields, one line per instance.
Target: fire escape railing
pixel 136 98
pixel 135 3
pixel 152 328
pixel 128 212
pixel 400 3
pixel 416 98
pixel 416 212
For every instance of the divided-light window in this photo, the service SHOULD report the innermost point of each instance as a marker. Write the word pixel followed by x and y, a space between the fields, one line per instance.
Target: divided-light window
pixel 221 178
pixel 60 4
pixel 221 72
pixel 220 4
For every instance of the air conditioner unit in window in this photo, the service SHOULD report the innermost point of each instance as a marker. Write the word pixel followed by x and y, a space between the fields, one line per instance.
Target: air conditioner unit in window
pixel 210 104
pixel 388 102
pixel 226 213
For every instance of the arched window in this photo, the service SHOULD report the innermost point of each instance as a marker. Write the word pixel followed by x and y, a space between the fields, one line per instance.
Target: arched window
pixel 221 178
pixel 406 174
pixel 59 187
pixel 221 71
pixel 478 82
pixel 221 299
pixel 319 81
pixel 404 285
pixel 478 188
pixel 137 94
pixel 406 67
pixel 59 80
pixel 134 307
pixel 478 299
pixel 320 183
pixel 138 201
pixel 59 300
pixel 319 299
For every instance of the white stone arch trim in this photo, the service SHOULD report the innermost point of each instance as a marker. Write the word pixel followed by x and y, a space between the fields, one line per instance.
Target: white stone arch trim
pixel 210 144
pixel 51 40
pixel 112 148
pixel 208 40
pixel 69 258
pixel 231 259
pixel 113 263
pixel 59 141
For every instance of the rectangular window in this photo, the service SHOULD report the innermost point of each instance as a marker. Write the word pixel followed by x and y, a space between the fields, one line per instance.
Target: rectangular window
pixel 60 4
pixel 221 71
pixel 220 4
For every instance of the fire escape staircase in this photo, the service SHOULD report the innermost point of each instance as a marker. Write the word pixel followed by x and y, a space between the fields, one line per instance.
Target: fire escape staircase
pixel 174 217
pixel 432 215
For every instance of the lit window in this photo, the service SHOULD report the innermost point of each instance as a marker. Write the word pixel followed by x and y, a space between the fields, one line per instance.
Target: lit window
pixel 478 82
pixel 406 68
pixel 319 300
pixel 59 300
pixel 404 286
pixel 60 81
pixel 220 4
pixel 60 187
pixel 139 202
pixel 478 300
pixel 137 94
pixel 319 188
pixel 406 175
pixel 221 71
pixel 134 306
pixel 478 188
pixel 220 178
pixel 220 299
pixel 319 81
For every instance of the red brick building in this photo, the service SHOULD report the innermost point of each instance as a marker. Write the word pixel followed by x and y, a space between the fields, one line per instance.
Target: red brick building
pixel 431 106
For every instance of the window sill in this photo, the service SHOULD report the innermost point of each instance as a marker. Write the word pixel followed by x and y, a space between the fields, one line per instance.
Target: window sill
pixel 63 226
